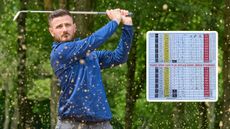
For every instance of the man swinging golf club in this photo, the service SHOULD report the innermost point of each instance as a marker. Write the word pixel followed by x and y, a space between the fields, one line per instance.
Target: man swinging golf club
pixel 77 64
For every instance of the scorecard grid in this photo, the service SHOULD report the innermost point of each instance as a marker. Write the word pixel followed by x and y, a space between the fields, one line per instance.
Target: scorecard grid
pixel 182 66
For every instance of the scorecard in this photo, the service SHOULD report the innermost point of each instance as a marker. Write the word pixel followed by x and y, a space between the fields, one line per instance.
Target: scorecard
pixel 182 66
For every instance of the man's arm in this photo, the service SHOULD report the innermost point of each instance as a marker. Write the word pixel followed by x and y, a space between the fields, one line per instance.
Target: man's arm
pixel 120 54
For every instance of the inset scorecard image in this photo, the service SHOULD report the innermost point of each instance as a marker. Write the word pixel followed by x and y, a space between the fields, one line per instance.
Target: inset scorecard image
pixel 182 66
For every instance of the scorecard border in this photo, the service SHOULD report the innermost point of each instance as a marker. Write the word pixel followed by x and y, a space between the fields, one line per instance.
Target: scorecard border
pixel 147 68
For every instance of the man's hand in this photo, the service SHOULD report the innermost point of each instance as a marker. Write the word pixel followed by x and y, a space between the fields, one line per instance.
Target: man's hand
pixel 114 14
pixel 126 20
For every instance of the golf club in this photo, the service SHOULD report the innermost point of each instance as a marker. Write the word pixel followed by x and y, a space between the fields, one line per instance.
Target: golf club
pixel 72 12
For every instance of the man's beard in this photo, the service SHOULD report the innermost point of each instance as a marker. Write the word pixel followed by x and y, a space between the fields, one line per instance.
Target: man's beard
pixel 65 35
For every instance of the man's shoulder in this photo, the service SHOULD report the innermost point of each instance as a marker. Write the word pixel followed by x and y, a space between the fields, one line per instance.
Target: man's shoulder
pixel 61 46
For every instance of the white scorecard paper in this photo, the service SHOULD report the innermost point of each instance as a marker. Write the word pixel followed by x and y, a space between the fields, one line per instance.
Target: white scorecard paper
pixel 182 66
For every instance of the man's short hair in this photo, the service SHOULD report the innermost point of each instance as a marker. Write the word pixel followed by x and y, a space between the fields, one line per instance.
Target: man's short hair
pixel 58 13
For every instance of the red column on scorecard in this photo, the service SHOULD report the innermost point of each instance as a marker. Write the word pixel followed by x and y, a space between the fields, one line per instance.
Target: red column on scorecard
pixel 206 82
pixel 206 69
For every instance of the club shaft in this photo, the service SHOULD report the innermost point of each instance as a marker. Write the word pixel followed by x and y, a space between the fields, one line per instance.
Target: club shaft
pixel 72 12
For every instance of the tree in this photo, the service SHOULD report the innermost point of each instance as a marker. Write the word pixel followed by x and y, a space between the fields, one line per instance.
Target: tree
pixel 226 66
pixel 135 83
pixel 21 82
pixel 7 103
pixel 54 83
pixel 136 74
pixel 84 22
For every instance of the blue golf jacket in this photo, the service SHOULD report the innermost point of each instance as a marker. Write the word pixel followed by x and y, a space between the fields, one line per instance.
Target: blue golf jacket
pixel 78 66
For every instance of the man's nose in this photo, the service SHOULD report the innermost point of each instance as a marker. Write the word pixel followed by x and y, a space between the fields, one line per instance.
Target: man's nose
pixel 64 28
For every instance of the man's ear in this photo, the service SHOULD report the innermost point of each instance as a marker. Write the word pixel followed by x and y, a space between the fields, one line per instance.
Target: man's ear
pixel 51 31
pixel 75 29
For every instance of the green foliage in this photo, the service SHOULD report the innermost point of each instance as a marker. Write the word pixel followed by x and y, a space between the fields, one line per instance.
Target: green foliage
pixel 40 90
pixel 41 114
pixel 115 80
pixel 8 39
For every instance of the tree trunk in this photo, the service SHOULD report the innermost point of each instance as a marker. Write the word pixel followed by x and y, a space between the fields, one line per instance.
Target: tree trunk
pixel 48 4
pixel 213 107
pixel 134 84
pixel 21 68
pixel 54 101
pixel 63 4
pixel 53 86
pixel 226 66
pixel 15 116
pixel 14 123
pixel 202 107
pixel 84 22
pixel 178 116
pixel 211 115
pixel 7 103
pixel 130 87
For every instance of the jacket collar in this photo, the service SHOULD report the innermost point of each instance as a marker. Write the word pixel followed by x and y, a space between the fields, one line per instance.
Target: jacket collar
pixel 55 44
